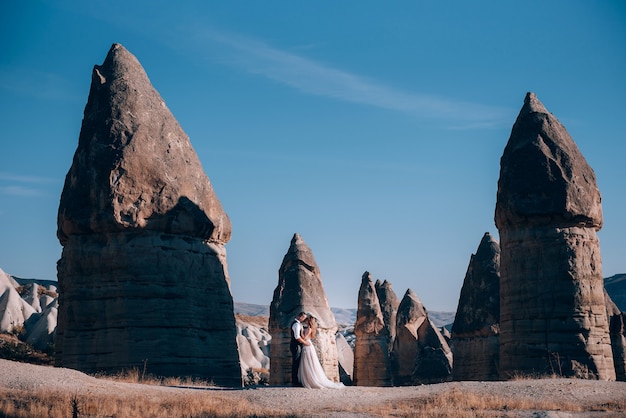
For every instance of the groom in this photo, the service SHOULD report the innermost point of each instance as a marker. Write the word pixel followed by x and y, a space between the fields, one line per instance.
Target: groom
pixel 295 346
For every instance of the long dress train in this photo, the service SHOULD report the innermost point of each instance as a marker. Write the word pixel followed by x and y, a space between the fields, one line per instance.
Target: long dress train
pixel 311 374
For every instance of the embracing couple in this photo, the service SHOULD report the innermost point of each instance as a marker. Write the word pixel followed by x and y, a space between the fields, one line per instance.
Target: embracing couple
pixel 306 369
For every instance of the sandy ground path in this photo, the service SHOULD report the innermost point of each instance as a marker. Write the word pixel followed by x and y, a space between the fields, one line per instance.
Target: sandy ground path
pixel 327 402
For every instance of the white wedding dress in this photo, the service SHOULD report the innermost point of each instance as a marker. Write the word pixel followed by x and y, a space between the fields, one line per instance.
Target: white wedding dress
pixel 311 374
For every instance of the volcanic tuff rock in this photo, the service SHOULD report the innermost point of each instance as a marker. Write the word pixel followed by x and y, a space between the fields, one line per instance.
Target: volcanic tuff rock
pixel 552 312
pixel 253 343
pixel 31 306
pixel 372 365
pixel 143 276
pixel 617 330
pixel 300 289
pixel 14 310
pixel 420 353
pixel 475 341
pixel 389 303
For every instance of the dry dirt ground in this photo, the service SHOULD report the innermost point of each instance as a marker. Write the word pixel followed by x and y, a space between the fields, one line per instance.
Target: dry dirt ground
pixel 329 403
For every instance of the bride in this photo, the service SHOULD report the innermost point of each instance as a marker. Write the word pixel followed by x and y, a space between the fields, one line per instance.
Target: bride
pixel 310 373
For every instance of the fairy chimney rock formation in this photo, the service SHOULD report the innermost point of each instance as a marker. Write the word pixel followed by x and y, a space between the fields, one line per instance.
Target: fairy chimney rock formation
pixel 420 353
pixel 143 276
pixel 552 312
pixel 372 365
pixel 300 289
pixel 475 341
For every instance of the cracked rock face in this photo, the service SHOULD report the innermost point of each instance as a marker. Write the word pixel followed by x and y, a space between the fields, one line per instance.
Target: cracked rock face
pixel 617 330
pixel 300 289
pixel 372 366
pixel 420 352
pixel 552 312
pixel 476 328
pixel 143 276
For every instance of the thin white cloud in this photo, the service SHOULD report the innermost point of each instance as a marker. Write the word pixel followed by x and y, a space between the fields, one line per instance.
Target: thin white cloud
pixel 37 84
pixel 25 179
pixel 315 78
pixel 24 186
pixel 21 191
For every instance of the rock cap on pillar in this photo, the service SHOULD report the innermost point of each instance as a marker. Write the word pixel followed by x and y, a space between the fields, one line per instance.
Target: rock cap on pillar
pixel 134 167
pixel 544 178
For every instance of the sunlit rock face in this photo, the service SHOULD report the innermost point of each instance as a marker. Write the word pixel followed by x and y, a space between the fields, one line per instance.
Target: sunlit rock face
pixel 552 312
pixel 389 303
pixel 143 276
pixel 476 328
pixel 300 289
pixel 372 366
pixel 420 353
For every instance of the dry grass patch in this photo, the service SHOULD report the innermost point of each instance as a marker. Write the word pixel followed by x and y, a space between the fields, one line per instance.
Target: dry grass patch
pixel 136 375
pixel 59 404
pixel 464 404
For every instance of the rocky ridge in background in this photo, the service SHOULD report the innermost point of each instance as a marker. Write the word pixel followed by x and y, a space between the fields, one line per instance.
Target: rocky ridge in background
pixel 616 287
pixel 143 236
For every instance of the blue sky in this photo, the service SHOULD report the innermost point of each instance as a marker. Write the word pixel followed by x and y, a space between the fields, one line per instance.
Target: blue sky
pixel 373 130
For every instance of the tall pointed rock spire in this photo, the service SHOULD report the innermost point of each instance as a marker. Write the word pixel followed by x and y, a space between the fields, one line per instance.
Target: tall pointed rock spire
pixel 420 353
pixel 143 276
pixel 476 327
pixel 552 312
pixel 372 365
pixel 300 289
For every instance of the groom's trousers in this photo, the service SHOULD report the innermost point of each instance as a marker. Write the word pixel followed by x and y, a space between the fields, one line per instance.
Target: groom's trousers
pixel 296 351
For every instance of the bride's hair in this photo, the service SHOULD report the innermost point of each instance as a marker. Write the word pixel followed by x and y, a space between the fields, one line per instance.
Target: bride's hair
pixel 313 325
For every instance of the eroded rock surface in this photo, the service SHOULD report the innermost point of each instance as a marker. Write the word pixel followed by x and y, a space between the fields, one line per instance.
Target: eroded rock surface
pixel 476 328
pixel 420 353
pixel 14 310
pixel 300 289
pixel 617 330
pixel 553 317
pixel 372 366
pixel 389 303
pixel 143 276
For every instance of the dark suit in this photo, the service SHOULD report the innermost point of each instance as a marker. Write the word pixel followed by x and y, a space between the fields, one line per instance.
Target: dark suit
pixel 295 347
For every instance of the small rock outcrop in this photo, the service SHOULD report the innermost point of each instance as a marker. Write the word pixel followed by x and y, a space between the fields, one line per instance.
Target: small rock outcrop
pixel 253 343
pixel 420 353
pixel 552 312
pixel 475 340
pixel 143 277
pixel 617 330
pixel 14 310
pixel 300 289
pixel 372 365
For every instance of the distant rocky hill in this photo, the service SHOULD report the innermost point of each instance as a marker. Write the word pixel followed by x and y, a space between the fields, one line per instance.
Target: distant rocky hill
pixel 616 288
pixel 343 316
